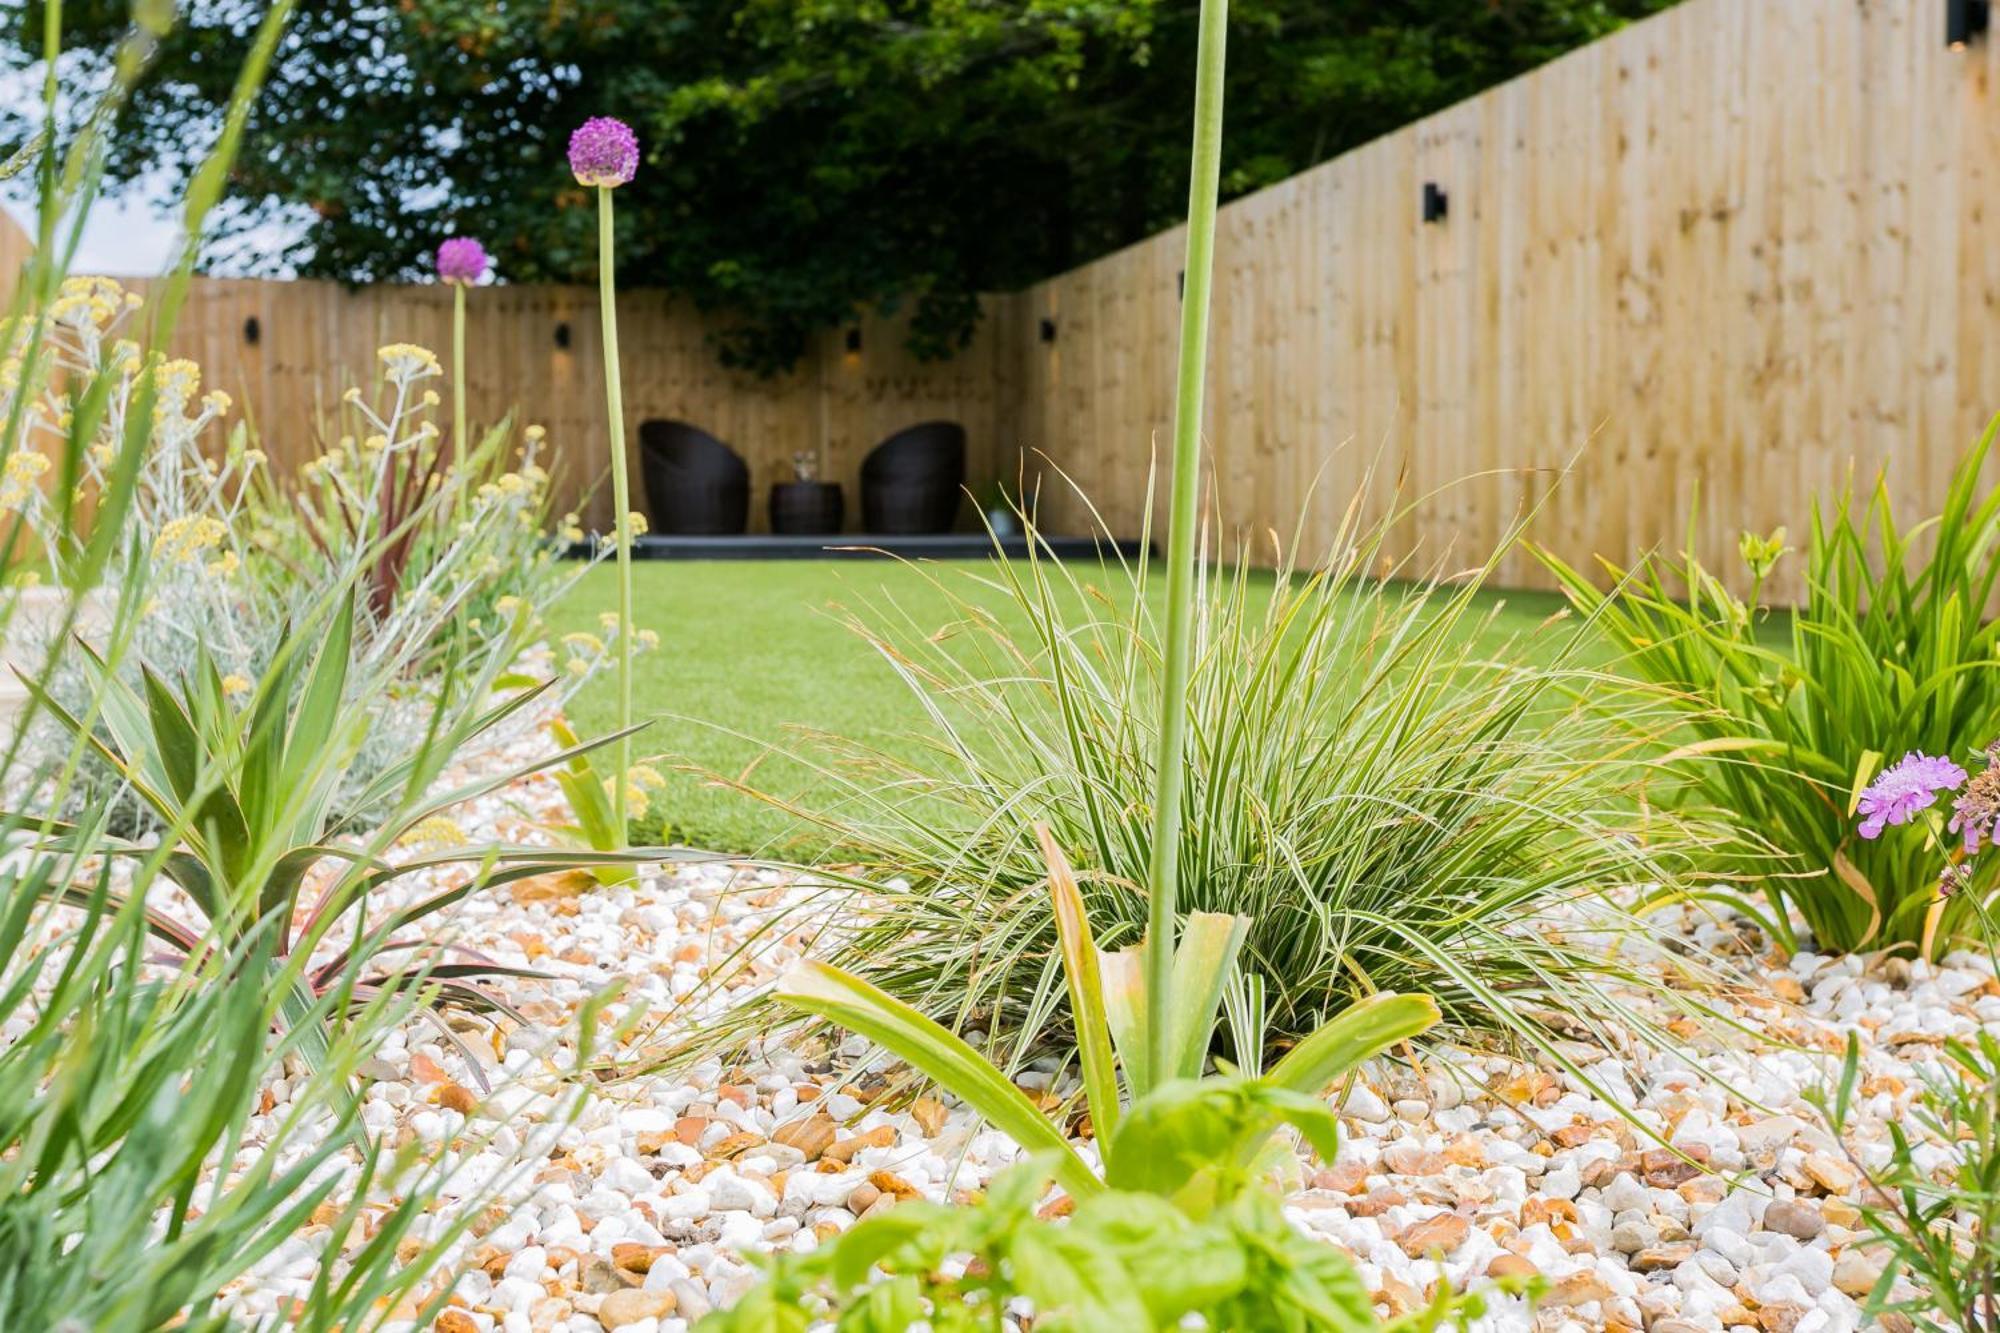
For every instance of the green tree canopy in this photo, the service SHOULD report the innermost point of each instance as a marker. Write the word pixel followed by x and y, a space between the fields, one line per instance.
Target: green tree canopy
pixel 803 158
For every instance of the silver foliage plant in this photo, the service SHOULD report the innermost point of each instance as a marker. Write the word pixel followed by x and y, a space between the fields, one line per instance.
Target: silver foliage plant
pixel 455 548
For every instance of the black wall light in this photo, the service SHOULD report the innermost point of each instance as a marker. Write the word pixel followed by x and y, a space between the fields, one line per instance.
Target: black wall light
pixel 253 332
pixel 1436 202
pixel 854 340
pixel 562 336
pixel 1965 20
pixel 1048 330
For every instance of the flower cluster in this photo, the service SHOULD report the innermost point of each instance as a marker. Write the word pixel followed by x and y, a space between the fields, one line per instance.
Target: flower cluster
pixel 462 260
pixel 1903 789
pixel 1904 792
pixel 603 152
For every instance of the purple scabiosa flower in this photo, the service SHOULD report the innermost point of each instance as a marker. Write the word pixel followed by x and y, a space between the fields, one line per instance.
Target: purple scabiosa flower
pixel 1899 791
pixel 603 151
pixel 462 259
pixel 1975 815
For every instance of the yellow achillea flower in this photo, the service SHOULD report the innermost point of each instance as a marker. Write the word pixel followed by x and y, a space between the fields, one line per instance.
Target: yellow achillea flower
pixel 646 776
pixel 186 537
pixel 406 362
pixel 233 685
pixel 18 479
pixel 580 642
pixel 637 802
pixel 647 638
pixel 434 830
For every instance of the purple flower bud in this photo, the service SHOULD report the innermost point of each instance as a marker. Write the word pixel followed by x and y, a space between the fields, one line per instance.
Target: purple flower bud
pixel 603 151
pixel 462 259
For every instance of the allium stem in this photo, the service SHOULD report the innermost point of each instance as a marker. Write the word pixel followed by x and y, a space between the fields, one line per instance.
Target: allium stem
pixel 457 371
pixel 1164 869
pixel 621 499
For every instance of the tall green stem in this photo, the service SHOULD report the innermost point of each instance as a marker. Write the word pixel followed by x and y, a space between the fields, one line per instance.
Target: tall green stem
pixel 621 499
pixel 1168 778
pixel 458 370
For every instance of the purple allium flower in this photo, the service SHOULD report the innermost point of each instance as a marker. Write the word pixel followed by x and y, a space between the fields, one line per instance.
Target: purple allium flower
pixel 1976 813
pixel 462 259
pixel 603 151
pixel 1899 791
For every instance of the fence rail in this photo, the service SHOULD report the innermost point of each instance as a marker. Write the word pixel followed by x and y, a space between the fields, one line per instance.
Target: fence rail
pixel 1711 263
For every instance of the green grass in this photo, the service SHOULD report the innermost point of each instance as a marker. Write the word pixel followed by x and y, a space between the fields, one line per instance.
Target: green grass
pixel 750 651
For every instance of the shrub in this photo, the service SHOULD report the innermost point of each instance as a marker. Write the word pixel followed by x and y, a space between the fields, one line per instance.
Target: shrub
pixel 225 559
pixel 1892 652
pixel 1933 1207
pixel 127 1090
pixel 1393 811
pixel 1125 1260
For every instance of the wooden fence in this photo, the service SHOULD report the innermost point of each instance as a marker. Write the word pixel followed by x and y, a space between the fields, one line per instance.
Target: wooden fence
pixel 1730 252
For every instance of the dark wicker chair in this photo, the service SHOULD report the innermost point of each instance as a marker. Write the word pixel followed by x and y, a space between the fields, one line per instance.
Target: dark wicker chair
pixel 696 485
pixel 911 483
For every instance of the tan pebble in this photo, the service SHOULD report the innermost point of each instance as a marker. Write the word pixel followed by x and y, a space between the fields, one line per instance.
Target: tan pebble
pixel 1376 1202
pixel 454 1321
pixel 882 1136
pixel 636 1258
pixel 1780 1318
pixel 630 1306
pixel 1443 1233
pixel 688 1129
pixel 890 1183
pixel 735 1145
pixel 743 1096
pixel 1829 1172
pixel 454 1097
pixel 426 1070
pixel 862 1197
pixel 1342 1177
pixel 1658 1258
pixel 1511 1265
pixel 811 1135
pixel 928 1112
pixel 1551 1211
pixel 1578 1289
pixel 1665 1168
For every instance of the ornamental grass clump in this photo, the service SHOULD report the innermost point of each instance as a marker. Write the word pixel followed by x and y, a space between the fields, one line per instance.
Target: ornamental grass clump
pixel 603 155
pixel 1392 807
pixel 1893 652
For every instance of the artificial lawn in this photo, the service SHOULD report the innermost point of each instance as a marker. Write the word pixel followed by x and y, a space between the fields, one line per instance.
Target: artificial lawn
pixel 751 651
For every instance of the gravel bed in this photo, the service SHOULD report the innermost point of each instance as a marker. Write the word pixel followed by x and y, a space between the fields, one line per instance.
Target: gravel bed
pixel 639 1212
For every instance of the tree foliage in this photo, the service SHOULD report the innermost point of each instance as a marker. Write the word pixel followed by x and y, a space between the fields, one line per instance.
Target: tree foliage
pixel 804 158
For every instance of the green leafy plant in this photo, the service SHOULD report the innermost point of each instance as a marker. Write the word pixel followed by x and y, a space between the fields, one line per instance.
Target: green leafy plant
pixel 122 1084
pixel 1124 1260
pixel 247 798
pixel 1937 1226
pixel 1892 652
pixel 131 1085
pixel 1108 995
